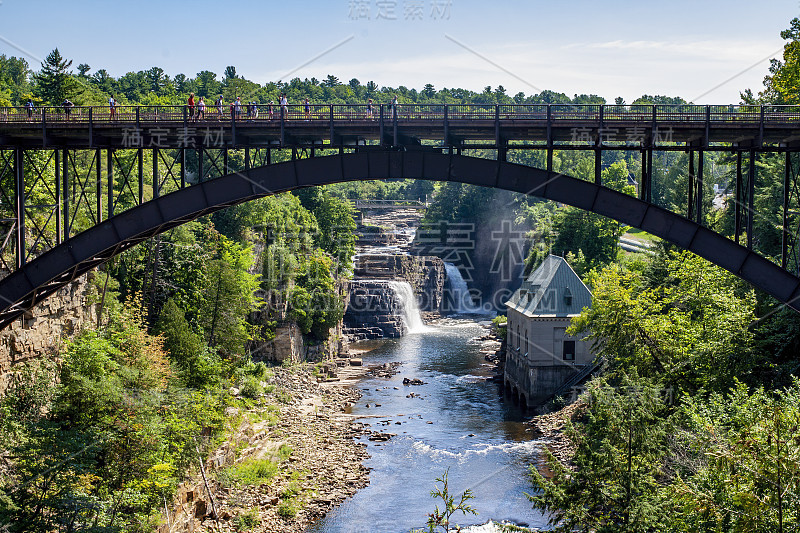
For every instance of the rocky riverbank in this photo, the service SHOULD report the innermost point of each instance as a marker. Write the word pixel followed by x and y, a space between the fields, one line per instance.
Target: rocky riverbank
pixel 550 428
pixel 297 424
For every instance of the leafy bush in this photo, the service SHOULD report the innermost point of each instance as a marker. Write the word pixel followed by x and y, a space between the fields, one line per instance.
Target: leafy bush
pixel 250 387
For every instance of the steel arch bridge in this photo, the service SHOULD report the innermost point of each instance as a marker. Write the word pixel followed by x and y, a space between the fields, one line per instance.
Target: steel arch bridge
pixel 44 181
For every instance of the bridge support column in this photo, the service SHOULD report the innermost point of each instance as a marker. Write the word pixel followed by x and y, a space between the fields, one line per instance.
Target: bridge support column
pixel 156 177
pixel 643 181
pixel 140 165
pixel 56 155
pixel 549 139
pixel 19 200
pixel 98 159
pixel 182 169
pixel 649 193
pixel 787 175
pixel 65 188
pixel 395 140
pixel 699 188
pixel 690 188
pixel 598 166
pixel 751 189
pixel 110 173
pixel 739 194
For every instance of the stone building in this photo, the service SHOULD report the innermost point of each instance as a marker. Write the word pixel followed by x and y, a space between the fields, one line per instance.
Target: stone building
pixel 541 357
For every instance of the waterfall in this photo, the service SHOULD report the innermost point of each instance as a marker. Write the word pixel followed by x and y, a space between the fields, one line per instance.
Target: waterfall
pixel 408 300
pixel 459 299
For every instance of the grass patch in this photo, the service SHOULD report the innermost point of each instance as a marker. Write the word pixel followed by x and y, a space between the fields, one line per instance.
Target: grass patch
pixel 288 508
pixel 283 397
pixel 641 235
pixel 290 491
pixel 247 521
pixel 249 472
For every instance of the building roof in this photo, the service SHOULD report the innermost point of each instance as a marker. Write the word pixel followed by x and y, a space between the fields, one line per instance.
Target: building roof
pixel 552 290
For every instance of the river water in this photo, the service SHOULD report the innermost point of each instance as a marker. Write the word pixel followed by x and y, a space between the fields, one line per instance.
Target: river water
pixel 459 422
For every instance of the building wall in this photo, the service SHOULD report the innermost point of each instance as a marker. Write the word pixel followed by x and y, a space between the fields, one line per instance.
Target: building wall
pixel 535 365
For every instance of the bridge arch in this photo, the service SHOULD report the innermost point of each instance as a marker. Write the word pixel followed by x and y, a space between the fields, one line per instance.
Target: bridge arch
pixel 39 278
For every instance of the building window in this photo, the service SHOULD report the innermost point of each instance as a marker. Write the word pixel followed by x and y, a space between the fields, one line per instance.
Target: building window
pixel 569 350
pixel 558 341
pixel 527 346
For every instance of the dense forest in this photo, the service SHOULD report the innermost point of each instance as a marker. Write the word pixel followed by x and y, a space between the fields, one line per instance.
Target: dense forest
pixel 693 426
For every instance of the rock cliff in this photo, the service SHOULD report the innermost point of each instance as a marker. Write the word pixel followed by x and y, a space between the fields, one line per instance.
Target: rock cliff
pixel 41 331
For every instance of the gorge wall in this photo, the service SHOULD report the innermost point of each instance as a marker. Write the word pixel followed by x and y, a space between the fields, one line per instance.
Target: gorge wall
pixel 42 331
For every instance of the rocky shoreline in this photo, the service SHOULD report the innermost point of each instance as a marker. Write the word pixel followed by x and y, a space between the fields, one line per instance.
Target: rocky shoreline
pixel 322 470
pixel 550 427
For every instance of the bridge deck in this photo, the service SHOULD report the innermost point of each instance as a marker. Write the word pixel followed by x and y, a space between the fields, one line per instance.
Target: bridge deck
pixel 583 127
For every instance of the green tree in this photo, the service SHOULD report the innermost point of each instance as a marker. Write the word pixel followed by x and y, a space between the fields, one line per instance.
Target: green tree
pixel 440 518
pixel 55 83
pixel 619 454
pixel 690 328
pixel 207 84
pixel 229 299
pixel 196 364
pixel 738 462
pixel 315 303
pixel 782 84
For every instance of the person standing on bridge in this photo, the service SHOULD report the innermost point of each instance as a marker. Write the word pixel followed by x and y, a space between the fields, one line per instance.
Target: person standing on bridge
pixel 369 109
pixel 219 107
pixel 237 107
pixel 269 109
pixel 395 108
pixel 307 109
pixel 190 106
pixel 112 107
pixel 201 109
pixel 68 105
pixel 284 106
pixel 29 107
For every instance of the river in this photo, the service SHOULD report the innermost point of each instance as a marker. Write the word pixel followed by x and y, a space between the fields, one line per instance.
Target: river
pixel 459 421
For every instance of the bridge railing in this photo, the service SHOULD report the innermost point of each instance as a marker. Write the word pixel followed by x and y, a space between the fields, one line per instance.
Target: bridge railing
pixel 628 113
pixel 607 113
pixel 781 113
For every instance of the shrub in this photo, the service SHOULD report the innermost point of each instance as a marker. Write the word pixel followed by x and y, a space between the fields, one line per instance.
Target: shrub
pixel 247 521
pixel 250 387
pixel 288 508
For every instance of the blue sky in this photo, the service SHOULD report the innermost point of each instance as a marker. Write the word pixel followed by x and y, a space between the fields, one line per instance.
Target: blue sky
pixel 612 48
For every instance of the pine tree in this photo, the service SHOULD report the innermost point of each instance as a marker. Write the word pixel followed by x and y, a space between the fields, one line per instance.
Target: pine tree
pixel 54 83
